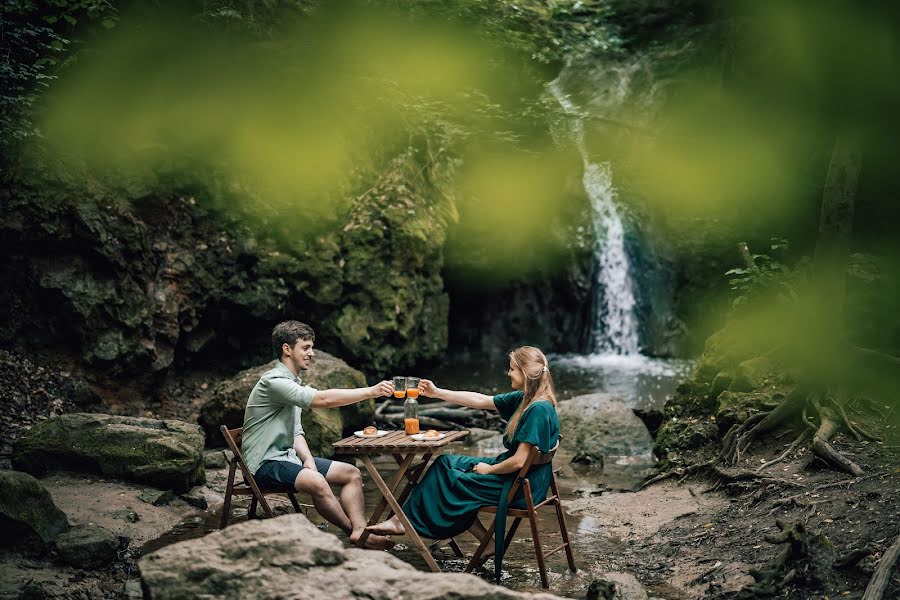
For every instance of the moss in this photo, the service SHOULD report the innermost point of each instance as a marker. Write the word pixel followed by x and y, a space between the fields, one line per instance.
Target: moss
pixel 27 513
pixel 167 454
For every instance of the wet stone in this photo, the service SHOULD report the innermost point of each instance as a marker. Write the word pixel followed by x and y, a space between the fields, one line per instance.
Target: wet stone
pixel 87 546
pixel 196 499
pixel 214 459
pixel 157 497
pixel 126 514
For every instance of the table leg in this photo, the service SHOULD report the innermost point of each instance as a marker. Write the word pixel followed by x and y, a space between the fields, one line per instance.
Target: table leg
pixel 389 496
pixel 413 478
pixel 379 508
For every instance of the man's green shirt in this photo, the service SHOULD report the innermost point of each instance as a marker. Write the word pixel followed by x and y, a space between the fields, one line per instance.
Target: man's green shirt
pixel 272 417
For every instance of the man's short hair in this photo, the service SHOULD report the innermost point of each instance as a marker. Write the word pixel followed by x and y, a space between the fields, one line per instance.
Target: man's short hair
pixel 288 332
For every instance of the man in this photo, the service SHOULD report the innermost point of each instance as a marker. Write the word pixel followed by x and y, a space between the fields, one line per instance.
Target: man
pixel 275 448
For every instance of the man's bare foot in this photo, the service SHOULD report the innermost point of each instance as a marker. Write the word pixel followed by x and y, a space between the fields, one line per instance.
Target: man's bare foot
pixel 373 542
pixel 392 526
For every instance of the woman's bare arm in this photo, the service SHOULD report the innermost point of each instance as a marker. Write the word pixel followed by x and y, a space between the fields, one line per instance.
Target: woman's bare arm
pixel 470 399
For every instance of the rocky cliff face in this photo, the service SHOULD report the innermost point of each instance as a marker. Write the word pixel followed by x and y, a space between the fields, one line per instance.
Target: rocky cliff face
pixel 132 282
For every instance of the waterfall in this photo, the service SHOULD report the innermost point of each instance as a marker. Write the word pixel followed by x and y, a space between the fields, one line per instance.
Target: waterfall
pixel 615 327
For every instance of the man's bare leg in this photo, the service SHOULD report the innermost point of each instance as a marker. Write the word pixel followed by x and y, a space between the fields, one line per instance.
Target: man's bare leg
pixel 353 502
pixel 312 483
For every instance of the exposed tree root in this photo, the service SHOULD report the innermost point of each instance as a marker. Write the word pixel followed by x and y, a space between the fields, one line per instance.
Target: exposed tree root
pixel 824 450
pixel 800 439
pixel 805 557
pixel 882 575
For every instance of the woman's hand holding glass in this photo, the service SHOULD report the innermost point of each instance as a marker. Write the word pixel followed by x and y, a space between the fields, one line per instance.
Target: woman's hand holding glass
pixel 427 388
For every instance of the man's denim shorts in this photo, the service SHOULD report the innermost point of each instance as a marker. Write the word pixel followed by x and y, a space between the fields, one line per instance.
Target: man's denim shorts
pixel 280 475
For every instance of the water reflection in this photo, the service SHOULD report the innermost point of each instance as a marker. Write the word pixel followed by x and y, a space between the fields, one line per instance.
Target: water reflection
pixel 639 381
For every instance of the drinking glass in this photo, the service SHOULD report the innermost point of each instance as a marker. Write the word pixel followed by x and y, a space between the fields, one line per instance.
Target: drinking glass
pixel 399 387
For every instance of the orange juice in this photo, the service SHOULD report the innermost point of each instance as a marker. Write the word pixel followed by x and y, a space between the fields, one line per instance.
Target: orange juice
pixel 412 426
pixel 399 393
pixel 413 392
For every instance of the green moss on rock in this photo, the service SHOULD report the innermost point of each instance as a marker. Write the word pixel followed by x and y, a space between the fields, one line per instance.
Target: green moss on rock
pixel 166 454
pixel 28 516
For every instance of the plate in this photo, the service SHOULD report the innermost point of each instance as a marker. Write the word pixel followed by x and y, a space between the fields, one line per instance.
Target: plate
pixel 420 437
pixel 380 433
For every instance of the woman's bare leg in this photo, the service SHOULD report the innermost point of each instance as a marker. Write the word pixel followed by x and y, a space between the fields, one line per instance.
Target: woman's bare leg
pixel 392 526
pixel 478 530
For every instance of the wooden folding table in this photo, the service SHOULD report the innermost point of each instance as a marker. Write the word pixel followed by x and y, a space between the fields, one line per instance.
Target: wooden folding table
pixel 404 449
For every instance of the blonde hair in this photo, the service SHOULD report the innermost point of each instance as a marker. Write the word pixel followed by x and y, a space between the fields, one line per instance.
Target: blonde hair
pixel 538 382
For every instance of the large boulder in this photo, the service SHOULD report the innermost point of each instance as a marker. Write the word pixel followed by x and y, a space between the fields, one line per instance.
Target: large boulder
pixel 322 426
pixel 167 454
pixel 28 515
pixel 598 425
pixel 87 546
pixel 288 557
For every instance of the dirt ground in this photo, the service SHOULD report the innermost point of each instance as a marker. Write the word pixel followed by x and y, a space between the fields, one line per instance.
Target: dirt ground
pixel 700 538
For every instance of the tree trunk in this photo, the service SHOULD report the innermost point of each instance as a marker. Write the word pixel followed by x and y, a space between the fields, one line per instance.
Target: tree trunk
pixel 836 225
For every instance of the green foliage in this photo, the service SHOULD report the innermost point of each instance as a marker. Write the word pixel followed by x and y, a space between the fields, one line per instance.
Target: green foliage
pixel 39 40
pixel 768 277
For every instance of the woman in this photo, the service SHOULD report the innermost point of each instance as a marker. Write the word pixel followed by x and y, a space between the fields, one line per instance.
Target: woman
pixel 446 501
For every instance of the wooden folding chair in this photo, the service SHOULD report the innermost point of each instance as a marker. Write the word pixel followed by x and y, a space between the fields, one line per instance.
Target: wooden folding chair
pixel 247 487
pixel 535 457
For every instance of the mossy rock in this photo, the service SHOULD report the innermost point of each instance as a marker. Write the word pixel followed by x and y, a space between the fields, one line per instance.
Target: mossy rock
pixel 321 426
pixel 87 546
pixel 684 433
pixel 753 374
pixel 28 516
pixel 166 454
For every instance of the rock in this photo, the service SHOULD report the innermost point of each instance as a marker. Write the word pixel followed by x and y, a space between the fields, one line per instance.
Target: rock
pixel 597 425
pixel 720 383
pixel 288 557
pixel 87 546
pixel 753 374
pixel 196 499
pixel 28 515
pixel 157 497
pixel 214 459
pixel 616 586
pixel 323 427
pixel 166 454
pixel 684 433
pixel 652 418
pixel 126 514
pixel 133 589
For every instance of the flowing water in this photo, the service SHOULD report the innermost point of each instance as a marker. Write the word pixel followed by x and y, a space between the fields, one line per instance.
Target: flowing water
pixel 615 326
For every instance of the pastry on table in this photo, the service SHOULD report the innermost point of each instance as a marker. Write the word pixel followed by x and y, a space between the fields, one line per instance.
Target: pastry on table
pixel 370 430
pixel 431 433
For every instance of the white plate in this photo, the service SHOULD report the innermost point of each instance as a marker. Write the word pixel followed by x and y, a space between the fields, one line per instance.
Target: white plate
pixel 420 437
pixel 380 433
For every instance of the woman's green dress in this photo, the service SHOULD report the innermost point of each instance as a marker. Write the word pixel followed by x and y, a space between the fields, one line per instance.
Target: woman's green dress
pixel 446 501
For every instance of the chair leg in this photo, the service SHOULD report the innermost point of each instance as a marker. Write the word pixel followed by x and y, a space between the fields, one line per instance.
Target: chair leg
pixel 512 532
pixel 293 500
pixel 457 551
pixel 251 514
pixel 535 536
pixel 563 530
pixel 226 508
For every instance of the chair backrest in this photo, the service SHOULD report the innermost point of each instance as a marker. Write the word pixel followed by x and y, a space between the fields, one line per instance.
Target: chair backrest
pixel 535 457
pixel 233 440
